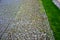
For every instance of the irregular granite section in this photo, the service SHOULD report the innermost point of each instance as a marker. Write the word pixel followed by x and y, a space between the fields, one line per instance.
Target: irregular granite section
pixel 57 3
pixel 26 21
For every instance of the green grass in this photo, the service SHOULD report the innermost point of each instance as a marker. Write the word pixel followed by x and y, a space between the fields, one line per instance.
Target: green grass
pixel 53 14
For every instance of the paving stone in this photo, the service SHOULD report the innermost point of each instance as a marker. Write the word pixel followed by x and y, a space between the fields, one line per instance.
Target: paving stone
pixel 57 3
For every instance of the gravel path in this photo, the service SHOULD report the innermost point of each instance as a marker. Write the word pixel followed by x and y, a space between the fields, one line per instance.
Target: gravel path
pixel 25 21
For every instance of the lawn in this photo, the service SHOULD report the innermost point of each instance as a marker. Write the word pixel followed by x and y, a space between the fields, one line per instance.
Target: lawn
pixel 53 14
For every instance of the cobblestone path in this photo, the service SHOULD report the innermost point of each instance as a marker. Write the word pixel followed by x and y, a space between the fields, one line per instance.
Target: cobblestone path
pixel 24 20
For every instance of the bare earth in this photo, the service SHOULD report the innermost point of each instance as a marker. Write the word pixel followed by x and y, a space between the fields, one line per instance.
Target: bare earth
pixel 25 20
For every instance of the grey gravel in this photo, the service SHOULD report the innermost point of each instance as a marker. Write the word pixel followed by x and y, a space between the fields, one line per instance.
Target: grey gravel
pixel 24 20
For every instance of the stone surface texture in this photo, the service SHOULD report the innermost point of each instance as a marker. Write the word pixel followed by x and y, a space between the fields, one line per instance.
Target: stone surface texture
pixel 24 20
pixel 57 3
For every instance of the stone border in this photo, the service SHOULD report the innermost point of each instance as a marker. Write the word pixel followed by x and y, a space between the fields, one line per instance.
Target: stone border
pixel 56 3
